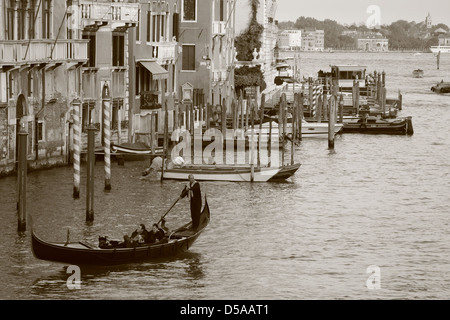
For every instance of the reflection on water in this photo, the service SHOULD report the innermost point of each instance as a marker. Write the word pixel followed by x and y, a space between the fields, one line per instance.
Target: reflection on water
pixel 374 200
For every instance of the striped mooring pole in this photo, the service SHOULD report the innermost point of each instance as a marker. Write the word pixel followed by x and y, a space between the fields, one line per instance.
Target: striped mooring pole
pixel 316 91
pixel 76 148
pixel 106 101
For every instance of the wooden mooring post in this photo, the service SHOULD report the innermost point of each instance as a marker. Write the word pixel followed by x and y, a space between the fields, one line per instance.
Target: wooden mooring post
pixel 252 143
pixel 90 174
pixel 22 181
pixel 261 118
pixel 300 98
pixel 341 108
pixel 331 122
pixel 165 139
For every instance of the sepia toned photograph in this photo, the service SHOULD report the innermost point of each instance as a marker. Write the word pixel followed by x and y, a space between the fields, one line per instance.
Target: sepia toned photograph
pixel 227 150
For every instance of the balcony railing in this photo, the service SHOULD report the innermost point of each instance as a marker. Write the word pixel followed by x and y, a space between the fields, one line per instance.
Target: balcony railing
pixel 219 27
pixel 91 11
pixel 164 50
pixel 219 75
pixel 21 51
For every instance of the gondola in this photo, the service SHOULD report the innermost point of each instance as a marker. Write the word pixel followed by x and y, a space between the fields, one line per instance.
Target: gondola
pixel 373 125
pixel 233 173
pixel 83 252
pixel 137 149
pixel 286 172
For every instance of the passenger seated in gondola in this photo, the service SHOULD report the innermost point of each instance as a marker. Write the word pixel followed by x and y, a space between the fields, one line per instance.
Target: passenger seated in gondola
pixel 163 226
pixel 156 235
pixel 139 236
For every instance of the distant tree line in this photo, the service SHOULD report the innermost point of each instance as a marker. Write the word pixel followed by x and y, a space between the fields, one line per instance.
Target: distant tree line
pixel 401 34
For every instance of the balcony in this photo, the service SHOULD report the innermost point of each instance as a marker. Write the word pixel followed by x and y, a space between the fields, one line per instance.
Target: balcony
pixel 100 13
pixel 219 28
pixel 42 51
pixel 164 51
pixel 219 75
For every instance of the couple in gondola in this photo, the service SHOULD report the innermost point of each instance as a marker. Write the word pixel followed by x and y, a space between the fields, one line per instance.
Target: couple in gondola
pixel 142 236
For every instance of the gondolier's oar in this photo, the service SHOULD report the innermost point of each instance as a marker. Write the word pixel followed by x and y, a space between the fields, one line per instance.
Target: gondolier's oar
pixel 182 195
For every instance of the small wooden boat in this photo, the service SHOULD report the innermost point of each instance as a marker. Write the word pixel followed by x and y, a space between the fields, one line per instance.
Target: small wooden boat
pixel 375 125
pixel 83 252
pixel 418 73
pixel 286 172
pixel 309 129
pixel 135 149
pixel 441 87
pixel 234 173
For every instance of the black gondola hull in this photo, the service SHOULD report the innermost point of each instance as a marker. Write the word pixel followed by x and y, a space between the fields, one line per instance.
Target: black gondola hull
pixel 80 254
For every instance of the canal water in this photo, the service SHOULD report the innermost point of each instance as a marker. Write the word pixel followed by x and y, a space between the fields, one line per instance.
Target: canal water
pixel 374 203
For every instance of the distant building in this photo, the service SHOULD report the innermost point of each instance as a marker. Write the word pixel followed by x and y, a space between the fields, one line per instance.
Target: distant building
pixel 290 39
pixel 428 21
pixel 444 40
pixel 373 44
pixel 313 40
pixel 439 32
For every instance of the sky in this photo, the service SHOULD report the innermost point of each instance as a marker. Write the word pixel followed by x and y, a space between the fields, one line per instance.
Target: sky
pixel 355 11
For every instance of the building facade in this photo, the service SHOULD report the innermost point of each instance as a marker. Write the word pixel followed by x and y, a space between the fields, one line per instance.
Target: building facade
pixel 444 40
pixel 40 76
pixel 55 58
pixel 313 40
pixel 106 26
pixel 290 39
pixel 154 51
pixel 206 52
pixel 373 44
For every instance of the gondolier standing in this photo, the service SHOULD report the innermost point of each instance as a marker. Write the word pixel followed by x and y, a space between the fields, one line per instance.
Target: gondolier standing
pixel 193 190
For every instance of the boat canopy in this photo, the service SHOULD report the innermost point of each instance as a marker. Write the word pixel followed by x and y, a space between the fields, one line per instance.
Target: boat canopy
pixel 348 72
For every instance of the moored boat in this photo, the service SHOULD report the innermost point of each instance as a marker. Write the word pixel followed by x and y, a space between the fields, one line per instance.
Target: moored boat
pixel 135 149
pixel 286 172
pixel 375 125
pixel 235 173
pixel 84 252
pixel 309 129
pixel 418 73
pixel 441 49
pixel 441 87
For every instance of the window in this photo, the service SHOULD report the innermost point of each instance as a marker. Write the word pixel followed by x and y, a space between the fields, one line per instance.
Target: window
pixel 188 57
pixel 10 22
pixel 46 19
pixel 138 27
pixel 189 10
pixel 118 50
pixel 91 49
pixel 143 80
pixel 137 84
pixel 222 10
pixel 176 18
pixel 31 18
pixel 149 29
pixel 22 17
pixel 40 131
